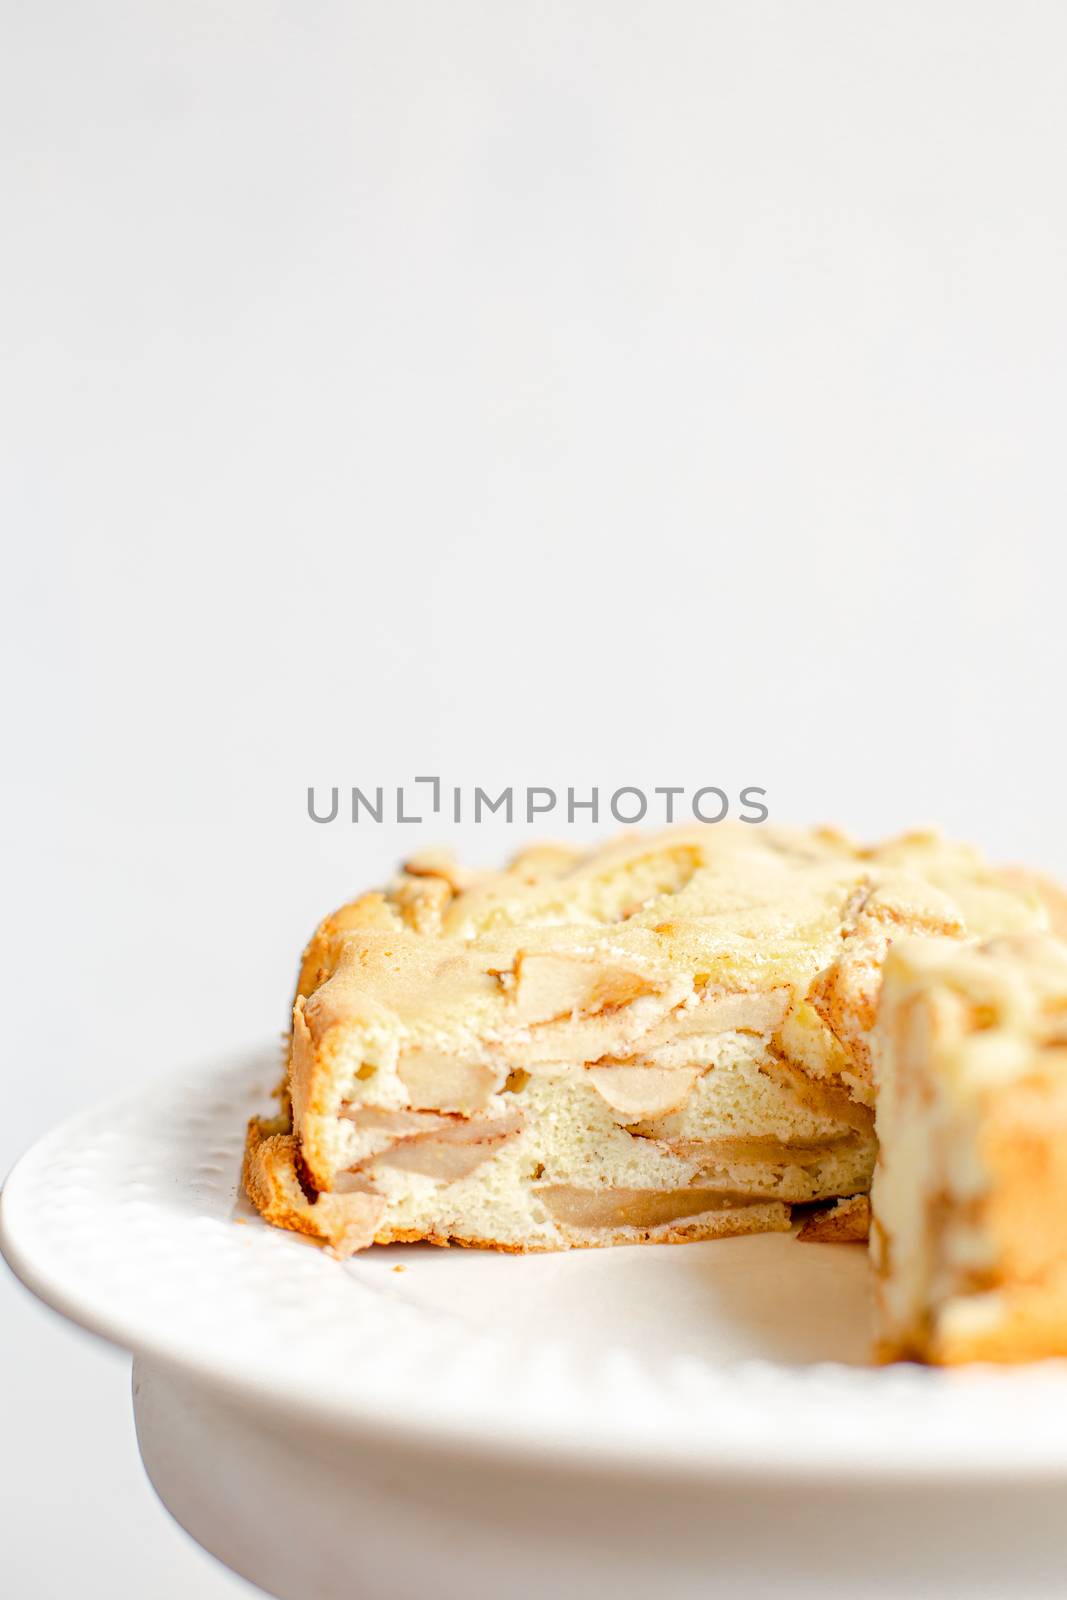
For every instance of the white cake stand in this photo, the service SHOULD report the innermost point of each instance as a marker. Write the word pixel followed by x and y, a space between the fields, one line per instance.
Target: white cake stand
pixel 662 1421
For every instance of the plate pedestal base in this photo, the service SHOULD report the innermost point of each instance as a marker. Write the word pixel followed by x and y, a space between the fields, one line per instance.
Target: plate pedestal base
pixel 310 1514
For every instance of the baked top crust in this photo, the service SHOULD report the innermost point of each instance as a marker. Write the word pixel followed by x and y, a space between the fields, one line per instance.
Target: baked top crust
pixel 643 950
pixel 750 906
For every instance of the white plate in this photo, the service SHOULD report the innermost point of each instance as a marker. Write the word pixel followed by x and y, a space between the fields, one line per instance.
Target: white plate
pixel 729 1358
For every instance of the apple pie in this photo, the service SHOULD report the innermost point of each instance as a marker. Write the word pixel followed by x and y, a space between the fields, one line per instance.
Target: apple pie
pixel 666 1038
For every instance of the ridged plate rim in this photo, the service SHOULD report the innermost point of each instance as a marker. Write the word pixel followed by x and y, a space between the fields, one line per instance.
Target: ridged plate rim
pixel 126 1219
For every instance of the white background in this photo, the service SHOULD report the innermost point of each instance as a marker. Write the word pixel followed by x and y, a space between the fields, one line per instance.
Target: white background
pixel 562 393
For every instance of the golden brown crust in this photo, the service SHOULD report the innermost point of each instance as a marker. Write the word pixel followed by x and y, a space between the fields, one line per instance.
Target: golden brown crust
pixel 323 951
pixel 847 1221
pixel 770 1218
pixel 1030 1325
pixel 271 1177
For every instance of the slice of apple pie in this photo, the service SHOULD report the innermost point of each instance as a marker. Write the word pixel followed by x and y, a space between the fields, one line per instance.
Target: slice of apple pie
pixel 667 1038
pixel 969 1231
